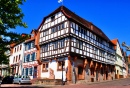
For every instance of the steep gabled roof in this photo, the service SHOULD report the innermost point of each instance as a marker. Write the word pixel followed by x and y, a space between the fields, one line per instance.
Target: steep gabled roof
pixel 34 30
pixel 70 15
pixel 115 41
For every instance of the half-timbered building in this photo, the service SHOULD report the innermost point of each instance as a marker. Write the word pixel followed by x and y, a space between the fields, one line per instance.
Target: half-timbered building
pixel 120 66
pixel 75 46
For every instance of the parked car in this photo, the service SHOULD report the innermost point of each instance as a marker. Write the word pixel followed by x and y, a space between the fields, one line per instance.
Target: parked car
pixel 7 80
pixel 22 79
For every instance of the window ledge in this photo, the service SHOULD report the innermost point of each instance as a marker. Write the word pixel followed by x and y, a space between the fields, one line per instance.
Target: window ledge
pixel 60 69
pixel 44 70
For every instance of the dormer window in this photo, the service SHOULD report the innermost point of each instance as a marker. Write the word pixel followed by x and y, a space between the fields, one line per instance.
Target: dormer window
pixel 52 18
pixel 32 35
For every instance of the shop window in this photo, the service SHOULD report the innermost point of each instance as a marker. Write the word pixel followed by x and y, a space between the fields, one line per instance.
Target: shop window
pixel 45 67
pixel 59 66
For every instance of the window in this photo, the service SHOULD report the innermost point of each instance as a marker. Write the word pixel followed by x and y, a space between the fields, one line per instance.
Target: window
pixel 96 51
pixel 44 33
pixel 59 27
pixel 25 47
pixel 20 47
pixel 55 29
pixel 82 31
pixel 26 72
pixel 15 50
pixel 45 67
pixel 52 18
pixel 14 59
pixel 80 44
pixel 76 27
pixel 43 49
pixel 79 29
pixel 77 43
pixel 59 65
pixel 46 47
pixel 32 35
pixel 19 57
pixel 32 44
pixel 63 26
pixel 30 57
pixel 33 56
pixel 55 45
pixel 87 33
pixel 30 71
pixel 29 46
pixel 61 43
pixel 27 58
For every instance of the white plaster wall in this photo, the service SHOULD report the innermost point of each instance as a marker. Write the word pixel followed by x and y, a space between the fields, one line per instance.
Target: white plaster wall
pixel 118 51
pixel 20 52
pixel 119 69
pixel 11 60
pixel 58 74
pixel 45 74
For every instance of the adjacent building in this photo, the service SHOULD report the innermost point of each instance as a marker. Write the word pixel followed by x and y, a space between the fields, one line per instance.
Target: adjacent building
pixel 119 64
pixel 73 49
pixel 125 64
pixel 30 64
pixel 16 57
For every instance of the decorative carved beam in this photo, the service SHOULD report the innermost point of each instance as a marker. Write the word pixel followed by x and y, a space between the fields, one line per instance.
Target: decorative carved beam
pixel 85 63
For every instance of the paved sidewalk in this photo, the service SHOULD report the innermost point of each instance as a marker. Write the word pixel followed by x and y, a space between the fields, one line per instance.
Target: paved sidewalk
pixel 86 83
pixel 90 83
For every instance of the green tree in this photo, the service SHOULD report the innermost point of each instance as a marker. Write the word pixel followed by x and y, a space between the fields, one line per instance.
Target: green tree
pixel 11 16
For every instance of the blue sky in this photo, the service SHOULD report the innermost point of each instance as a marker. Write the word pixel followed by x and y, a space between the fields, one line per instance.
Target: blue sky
pixel 111 16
